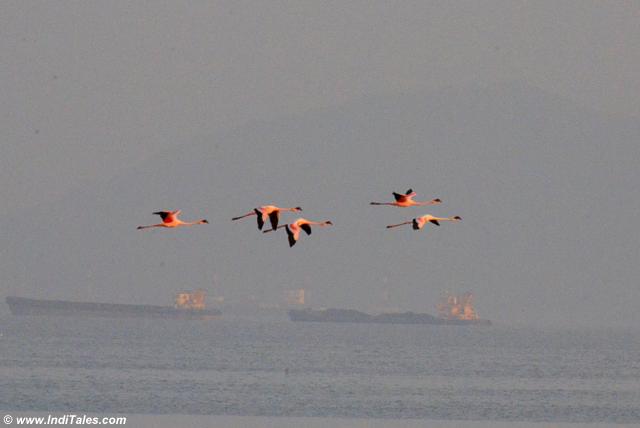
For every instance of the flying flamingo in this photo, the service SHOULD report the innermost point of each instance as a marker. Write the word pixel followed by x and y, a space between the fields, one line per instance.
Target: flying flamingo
pixel 170 219
pixel 406 200
pixel 293 229
pixel 419 222
pixel 267 211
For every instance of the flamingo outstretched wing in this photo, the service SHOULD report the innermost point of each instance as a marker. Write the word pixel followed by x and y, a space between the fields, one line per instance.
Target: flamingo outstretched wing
pixel 291 236
pixel 259 217
pixel 306 228
pixel 166 216
pixel 273 218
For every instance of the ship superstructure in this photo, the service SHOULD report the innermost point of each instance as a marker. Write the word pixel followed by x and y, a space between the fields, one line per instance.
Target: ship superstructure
pixel 190 299
pixel 295 297
pixel 457 307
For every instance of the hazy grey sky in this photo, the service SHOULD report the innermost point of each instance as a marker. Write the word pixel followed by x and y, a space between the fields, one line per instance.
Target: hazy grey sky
pixel 107 84
pixel 97 90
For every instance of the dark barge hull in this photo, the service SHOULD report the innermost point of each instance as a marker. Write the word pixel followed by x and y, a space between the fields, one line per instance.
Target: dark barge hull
pixel 353 316
pixel 37 307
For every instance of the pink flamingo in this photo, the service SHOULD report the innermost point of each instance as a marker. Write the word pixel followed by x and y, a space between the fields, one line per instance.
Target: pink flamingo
pixel 170 219
pixel 406 200
pixel 419 222
pixel 265 212
pixel 293 229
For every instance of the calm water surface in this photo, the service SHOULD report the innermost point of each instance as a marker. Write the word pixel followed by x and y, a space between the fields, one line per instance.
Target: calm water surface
pixel 281 368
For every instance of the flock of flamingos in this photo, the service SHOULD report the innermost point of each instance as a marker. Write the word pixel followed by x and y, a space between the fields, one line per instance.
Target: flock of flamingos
pixel 272 214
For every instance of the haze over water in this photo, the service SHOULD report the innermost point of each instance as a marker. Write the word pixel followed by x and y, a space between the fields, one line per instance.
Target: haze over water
pixel 523 117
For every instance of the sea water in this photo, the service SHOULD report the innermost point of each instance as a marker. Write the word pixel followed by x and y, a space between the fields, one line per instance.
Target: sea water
pixel 325 370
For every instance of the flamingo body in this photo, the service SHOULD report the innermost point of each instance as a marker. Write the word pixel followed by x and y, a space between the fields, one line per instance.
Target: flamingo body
pixel 404 200
pixel 170 220
pixel 293 229
pixel 420 222
pixel 266 213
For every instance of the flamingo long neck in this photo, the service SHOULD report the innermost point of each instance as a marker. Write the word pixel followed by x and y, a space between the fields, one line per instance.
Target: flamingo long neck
pixel 318 223
pixel 444 218
pixel 190 223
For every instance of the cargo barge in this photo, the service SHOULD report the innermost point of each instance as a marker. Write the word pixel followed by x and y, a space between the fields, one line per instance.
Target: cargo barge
pixel 188 306
pixel 454 310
